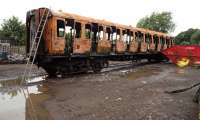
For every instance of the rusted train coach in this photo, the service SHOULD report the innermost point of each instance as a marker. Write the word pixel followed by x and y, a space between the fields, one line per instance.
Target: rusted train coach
pixel 71 43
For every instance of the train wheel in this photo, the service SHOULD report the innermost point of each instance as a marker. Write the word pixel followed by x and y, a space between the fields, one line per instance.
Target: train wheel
pixel 97 68
pixel 51 72
pixel 150 60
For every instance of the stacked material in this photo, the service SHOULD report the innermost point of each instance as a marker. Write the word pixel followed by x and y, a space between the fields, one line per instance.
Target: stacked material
pixel 16 59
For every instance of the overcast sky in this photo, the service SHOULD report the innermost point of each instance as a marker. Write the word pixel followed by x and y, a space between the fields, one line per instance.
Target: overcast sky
pixel 186 13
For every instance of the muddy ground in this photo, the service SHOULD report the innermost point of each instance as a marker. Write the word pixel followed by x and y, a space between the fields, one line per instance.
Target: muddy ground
pixel 14 71
pixel 136 93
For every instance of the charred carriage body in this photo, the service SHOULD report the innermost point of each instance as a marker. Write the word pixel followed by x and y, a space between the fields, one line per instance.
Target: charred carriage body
pixel 72 43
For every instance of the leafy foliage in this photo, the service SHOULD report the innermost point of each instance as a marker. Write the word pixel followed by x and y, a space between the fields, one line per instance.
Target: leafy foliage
pixel 195 38
pixel 161 22
pixel 13 28
pixel 188 37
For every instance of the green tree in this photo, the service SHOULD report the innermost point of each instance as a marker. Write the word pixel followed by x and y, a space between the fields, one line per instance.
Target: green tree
pixel 161 22
pixel 13 28
pixel 185 37
pixel 195 38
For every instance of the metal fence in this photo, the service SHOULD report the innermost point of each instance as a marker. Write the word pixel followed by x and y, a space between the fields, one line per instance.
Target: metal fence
pixel 6 48
pixel 18 50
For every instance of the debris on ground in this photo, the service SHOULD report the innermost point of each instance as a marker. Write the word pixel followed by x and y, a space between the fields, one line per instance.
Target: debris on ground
pixel 12 59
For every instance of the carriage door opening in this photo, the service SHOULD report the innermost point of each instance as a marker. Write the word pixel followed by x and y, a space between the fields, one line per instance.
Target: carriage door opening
pixel 114 38
pixel 32 31
pixel 139 37
pixel 128 39
pixel 148 40
pixel 94 36
pixel 156 42
pixel 69 35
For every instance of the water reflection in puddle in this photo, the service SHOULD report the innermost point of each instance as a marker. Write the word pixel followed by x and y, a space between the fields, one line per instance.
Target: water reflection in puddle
pixel 13 104
pixel 190 72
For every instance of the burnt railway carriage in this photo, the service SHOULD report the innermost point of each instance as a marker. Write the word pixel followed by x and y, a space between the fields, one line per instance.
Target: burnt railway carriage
pixel 72 43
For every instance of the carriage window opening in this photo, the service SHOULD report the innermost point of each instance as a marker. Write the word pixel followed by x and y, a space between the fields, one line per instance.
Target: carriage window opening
pixel 167 41
pixel 114 37
pixel 69 30
pixel 136 37
pixel 139 36
pixel 131 37
pixel 128 37
pixel 147 38
pixel 142 37
pixel 94 31
pixel 60 28
pixel 171 41
pixel 100 33
pixel 124 35
pixel 162 41
pixel 156 40
pixel 108 33
pixel 88 31
pixel 114 34
pixel 159 40
pixel 118 34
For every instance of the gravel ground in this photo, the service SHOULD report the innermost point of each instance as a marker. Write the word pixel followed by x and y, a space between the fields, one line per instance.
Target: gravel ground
pixel 136 94
pixel 128 94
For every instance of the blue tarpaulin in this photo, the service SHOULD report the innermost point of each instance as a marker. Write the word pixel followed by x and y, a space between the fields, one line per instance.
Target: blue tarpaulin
pixel 3 56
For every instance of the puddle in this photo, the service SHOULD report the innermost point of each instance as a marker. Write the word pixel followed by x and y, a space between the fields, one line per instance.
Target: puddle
pixel 13 104
pixel 143 72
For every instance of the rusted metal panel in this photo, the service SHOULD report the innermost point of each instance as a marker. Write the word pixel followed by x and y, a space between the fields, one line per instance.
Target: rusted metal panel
pixel 81 46
pixel 152 47
pixel 103 46
pixel 159 47
pixel 56 45
pixel 120 46
pixel 143 47
pixel 133 47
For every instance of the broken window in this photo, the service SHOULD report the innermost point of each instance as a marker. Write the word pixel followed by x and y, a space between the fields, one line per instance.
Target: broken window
pixel 60 28
pixel 156 40
pixel 131 36
pixel 118 34
pixel 108 33
pixel 128 37
pixel 139 36
pixel 69 30
pixel 124 35
pixel 94 31
pixel 162 40
pixel 147 38
pixel 114 35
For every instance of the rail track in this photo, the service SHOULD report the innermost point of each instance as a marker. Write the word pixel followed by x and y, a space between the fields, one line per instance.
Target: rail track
pixel 112 67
